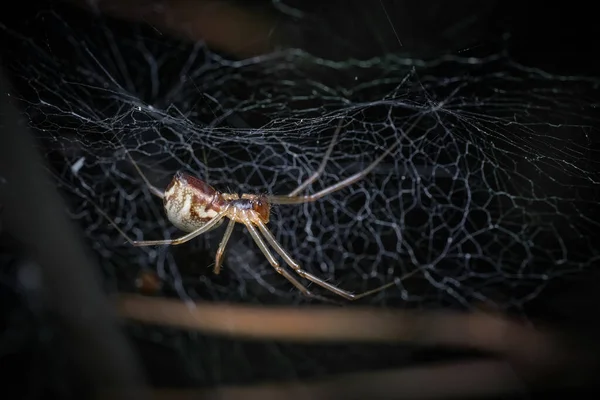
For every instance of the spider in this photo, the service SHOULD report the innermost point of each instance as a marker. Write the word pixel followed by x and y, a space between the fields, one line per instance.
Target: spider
pixel 194 206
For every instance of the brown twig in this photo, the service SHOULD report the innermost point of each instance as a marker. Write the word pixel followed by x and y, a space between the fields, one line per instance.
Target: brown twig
pixel 484 332
pixel 537 356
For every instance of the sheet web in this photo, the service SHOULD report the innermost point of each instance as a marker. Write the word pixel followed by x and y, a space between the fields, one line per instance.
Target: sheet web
pixel 489 195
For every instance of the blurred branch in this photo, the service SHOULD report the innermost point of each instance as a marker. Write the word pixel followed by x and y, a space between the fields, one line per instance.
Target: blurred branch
pixel 223 25
pixel 521 354
pixel 523 346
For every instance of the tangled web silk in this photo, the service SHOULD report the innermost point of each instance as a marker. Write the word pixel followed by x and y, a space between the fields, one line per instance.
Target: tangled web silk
pixel 489 196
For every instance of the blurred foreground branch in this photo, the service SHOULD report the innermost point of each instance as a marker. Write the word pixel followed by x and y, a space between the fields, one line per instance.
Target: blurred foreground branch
pixel 223 25
pixel 476 330
pixel 534 353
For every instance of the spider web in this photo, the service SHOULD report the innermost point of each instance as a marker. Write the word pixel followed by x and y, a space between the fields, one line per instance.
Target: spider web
pixel 488 198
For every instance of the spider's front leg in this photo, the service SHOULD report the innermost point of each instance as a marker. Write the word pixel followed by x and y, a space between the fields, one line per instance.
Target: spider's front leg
pixel 222 246
pixel 203 229
pixel 307 275
pixel 269 256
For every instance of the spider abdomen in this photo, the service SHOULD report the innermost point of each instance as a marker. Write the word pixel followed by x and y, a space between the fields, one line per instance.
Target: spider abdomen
pixel 190 202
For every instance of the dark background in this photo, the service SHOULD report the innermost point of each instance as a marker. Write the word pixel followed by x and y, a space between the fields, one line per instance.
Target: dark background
pixel 558 37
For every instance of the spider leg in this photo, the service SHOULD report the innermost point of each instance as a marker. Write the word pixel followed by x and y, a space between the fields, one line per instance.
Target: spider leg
pixel 289 199
pixel 222 245
pixel 153 189
pixel 205 228
pixel 269 256
pixel 296 267
pixel 172 242
pixel 321 168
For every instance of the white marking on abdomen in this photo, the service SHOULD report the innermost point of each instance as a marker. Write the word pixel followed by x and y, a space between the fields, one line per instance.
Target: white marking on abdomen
pixel 203 213
pixel 187 207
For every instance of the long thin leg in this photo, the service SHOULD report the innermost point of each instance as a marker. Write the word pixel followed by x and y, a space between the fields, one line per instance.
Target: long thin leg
pixel 269 256
pixel 153 189
pixel 344 183
pixel 172 242
pixel 222 246
pixel 296 267
pixel 321 168
pixel 205 228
